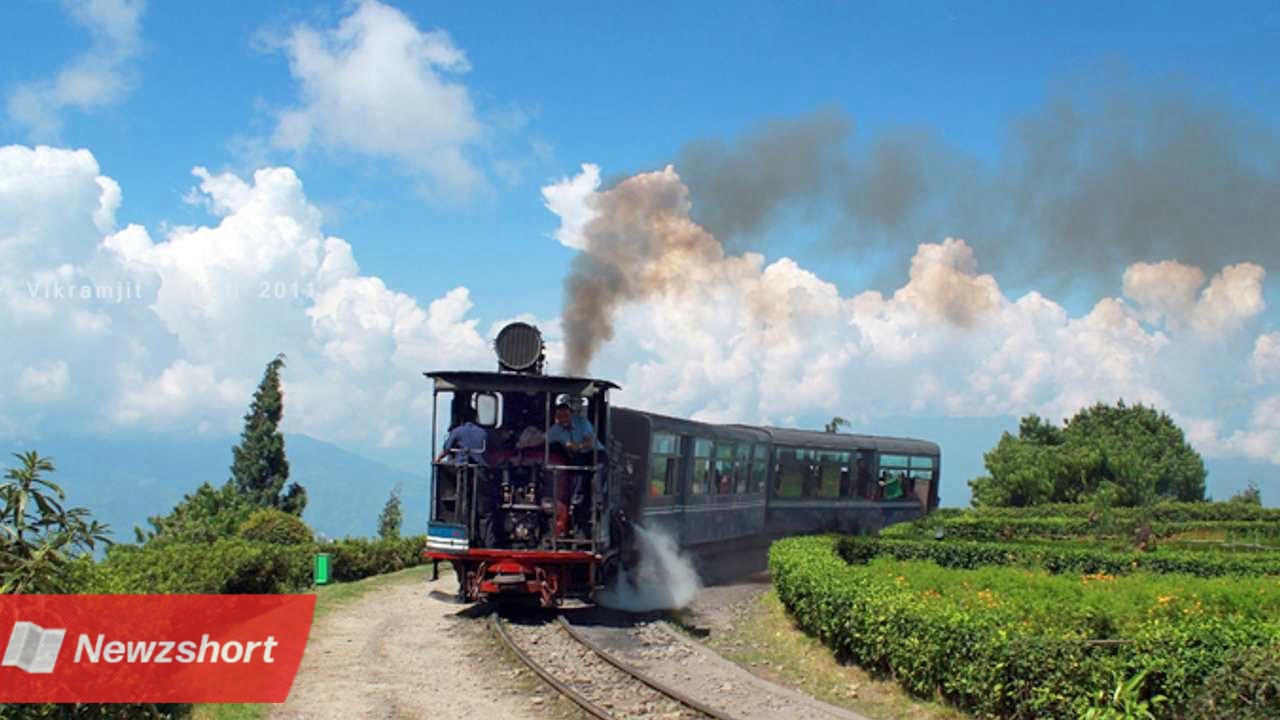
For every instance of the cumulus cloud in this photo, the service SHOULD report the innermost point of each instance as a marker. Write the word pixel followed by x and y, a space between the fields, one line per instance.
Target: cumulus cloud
pixel 1265 359
pixel 695 330
pixel 1167 292
pixel 172 332
pixel 377 85
pixel 98 78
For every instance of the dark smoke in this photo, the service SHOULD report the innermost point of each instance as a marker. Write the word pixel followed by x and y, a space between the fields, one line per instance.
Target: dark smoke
pixel 1088 184
pixel 641 243
pixel 1083 187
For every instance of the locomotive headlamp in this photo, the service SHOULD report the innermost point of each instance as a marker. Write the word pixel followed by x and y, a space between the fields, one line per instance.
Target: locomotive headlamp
pixel 520 349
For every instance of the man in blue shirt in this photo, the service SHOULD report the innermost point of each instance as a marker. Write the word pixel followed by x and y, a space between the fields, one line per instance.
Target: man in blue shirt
pixel 467 436
pixel 572 431
pixel 577 436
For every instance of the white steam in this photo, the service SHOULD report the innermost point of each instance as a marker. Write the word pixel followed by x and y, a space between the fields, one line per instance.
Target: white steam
pixel 664 579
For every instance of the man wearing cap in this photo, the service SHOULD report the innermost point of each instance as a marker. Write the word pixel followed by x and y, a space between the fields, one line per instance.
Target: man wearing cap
pixel 576 435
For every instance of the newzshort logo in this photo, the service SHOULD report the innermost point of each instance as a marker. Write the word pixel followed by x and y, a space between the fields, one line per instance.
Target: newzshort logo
pixel 35 649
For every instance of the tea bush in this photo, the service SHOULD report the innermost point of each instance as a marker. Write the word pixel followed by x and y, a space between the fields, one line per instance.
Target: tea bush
pixel 1014 643
pixel 1060 557
pixel 981 526
pixel 1160 512
pixel 1246 687
pixel 356 558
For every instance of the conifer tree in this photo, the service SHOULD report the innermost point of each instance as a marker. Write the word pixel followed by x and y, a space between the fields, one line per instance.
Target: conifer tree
pixel 259 468
pixel 392 517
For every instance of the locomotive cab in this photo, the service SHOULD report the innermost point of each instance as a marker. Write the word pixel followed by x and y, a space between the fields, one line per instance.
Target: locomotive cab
pixel 520 486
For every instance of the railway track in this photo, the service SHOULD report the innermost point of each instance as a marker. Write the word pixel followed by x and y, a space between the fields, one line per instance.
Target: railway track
pixel 593 678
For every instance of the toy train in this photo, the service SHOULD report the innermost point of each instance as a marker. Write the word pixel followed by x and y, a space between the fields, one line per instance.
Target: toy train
pixel 522 508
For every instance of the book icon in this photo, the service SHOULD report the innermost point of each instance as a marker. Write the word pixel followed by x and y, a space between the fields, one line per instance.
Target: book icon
pixel 33 648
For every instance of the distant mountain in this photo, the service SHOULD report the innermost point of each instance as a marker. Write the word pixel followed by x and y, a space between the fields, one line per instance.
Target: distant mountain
pixel 124 480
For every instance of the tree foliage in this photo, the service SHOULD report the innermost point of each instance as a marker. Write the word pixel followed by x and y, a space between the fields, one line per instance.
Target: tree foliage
pixel 836 423
pixel 391 517
pixel 276 527
pixel 39 536
pixel 1109 455
pixel 259 469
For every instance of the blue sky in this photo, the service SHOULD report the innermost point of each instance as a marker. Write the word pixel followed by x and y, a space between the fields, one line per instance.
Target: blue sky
pixel 626 87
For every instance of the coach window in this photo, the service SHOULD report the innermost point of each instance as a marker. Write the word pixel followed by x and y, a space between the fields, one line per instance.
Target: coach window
pixel 664 464
pixel 863 484
pixel 701 467
pixel 921 476
pixel 742 470
pixel 831 467
pixel 793 469
pixel 894 476
pixel 724 468
pixel 759 468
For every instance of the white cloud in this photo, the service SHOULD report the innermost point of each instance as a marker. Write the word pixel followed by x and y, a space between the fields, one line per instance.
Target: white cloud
pixel 377 85
pixel 45 383
pixel 569 200
pixel 1166 291
pixel 98 78
pixel 1265 359
pixel 206 308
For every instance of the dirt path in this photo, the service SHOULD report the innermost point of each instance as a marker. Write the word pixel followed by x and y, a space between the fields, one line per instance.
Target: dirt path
pixel 399 653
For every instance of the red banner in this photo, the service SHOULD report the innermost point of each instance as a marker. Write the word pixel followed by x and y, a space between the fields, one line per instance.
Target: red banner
pixel 151 648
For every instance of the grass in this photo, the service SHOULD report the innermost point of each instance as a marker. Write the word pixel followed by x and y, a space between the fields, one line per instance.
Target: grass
pixel 766 641
pixel 328 599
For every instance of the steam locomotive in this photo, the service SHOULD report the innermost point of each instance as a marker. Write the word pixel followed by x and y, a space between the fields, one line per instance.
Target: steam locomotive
pixel 523 513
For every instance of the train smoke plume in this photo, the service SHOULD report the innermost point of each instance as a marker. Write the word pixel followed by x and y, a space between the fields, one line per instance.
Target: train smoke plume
pixel 640 241
pixel 664 579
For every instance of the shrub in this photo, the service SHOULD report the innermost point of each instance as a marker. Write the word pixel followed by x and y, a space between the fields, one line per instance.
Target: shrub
pixel 981 526
pixel 276 527
pixel 1013 643
pixel 356 558
pixel 1245 687
pixel 1058 557
pixel 232 566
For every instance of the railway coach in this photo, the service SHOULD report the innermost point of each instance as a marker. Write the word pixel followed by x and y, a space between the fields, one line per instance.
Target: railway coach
pixel 523 509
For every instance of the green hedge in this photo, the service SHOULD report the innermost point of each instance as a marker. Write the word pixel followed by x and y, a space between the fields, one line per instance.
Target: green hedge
pixel 236 565
pixel 978 526
pixel 356 558
pixel 1058 557
pixel 1011 643
pixel 1160 512
pixel 231 565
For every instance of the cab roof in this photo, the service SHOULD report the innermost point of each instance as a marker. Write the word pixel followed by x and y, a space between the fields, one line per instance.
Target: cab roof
pixel 518 382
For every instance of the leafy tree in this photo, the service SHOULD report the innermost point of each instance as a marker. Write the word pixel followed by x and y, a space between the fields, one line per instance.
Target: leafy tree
pixel 260 469
pixel 391 517
pixel 1251 495
pixel 204 516
pixel 1108 455
pixel 39 535
pixel 277 527
pixel 836 423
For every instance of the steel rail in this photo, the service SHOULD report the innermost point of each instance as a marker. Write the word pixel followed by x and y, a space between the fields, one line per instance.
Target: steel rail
pixel 642 676
pixel 578 699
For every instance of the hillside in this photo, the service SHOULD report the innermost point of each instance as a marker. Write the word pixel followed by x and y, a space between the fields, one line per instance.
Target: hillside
pixel 124 480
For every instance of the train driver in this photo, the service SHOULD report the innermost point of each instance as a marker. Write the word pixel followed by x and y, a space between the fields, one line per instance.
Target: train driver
pixel 571 429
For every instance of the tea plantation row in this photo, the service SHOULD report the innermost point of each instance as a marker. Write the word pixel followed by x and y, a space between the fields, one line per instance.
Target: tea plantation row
pixel 1021 642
